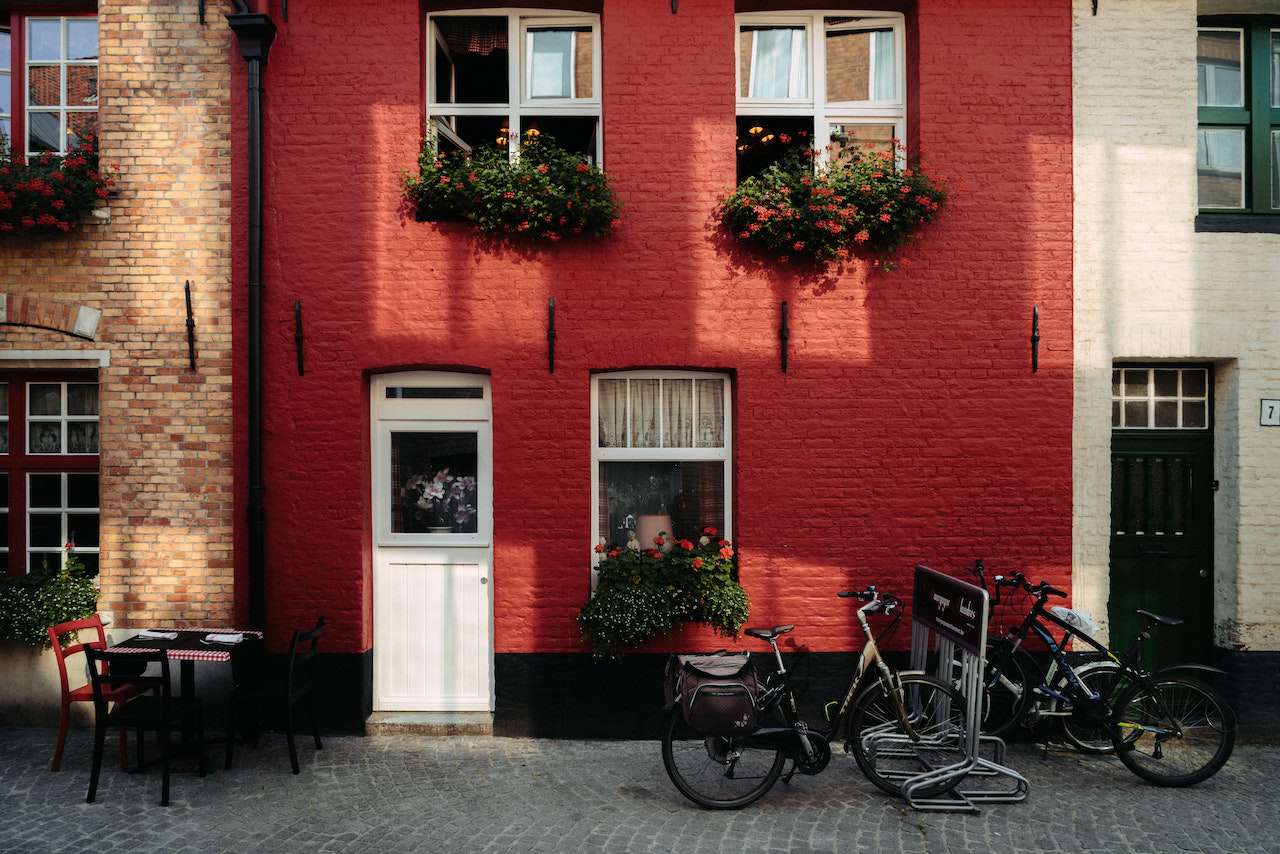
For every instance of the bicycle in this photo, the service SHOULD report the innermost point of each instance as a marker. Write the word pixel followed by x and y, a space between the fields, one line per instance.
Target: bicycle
pixel 730 772
pixel 1167 727
pixel 1018 692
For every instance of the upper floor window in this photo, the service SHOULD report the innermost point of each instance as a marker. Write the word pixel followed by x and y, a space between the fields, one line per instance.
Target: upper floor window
pixel 831 78
pixel 1238 97
pixel 661 455
pixel 492 76
pixel 48 82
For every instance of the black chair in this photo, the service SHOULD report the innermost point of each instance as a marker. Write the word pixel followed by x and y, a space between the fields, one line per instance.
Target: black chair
pixel 301 690
pixel 158 712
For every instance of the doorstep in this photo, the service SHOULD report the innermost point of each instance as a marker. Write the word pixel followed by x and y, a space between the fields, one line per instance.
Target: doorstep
pixel 429 723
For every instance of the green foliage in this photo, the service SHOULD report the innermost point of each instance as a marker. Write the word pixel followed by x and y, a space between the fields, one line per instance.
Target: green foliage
pixel 641 595
pixel 547 194
pixel 29 604
pixel 50 193
pixel 858 204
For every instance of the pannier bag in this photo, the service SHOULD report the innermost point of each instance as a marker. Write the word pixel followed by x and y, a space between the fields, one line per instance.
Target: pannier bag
pixel 716 693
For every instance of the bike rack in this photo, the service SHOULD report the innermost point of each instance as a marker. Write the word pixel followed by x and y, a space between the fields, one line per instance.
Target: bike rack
pixel 954 614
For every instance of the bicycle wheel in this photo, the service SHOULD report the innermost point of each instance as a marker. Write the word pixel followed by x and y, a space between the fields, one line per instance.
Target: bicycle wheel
pixel 714 772
pixel 1177 731
pixel 1088 728
pixel 1007 682
pixel 887 754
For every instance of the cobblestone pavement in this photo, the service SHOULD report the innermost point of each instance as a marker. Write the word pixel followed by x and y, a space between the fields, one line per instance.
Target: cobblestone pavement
pixel 416 793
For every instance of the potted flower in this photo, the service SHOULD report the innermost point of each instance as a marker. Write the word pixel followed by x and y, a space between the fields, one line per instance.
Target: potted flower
pixel 859 203
pixel 643 592
pixel 440 502
pixel 545 194
pixel 50 193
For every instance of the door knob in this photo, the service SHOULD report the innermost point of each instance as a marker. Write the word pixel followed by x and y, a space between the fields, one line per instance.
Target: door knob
pixel 1204 573
pixel 485 580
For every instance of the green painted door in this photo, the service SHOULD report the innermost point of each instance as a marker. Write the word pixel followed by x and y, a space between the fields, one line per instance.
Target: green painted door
pixel 1162 541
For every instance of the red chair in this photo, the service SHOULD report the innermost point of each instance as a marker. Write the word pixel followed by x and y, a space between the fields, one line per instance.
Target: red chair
pixel 84 694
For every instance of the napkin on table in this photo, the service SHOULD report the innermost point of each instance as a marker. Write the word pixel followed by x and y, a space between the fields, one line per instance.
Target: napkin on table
pixel 232 637
pixel 157 635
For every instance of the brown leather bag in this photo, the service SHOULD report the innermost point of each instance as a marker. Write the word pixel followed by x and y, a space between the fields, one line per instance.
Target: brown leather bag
pixel 716 693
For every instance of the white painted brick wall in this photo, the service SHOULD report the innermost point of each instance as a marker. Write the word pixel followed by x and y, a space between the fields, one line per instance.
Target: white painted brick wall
pixel 1148 287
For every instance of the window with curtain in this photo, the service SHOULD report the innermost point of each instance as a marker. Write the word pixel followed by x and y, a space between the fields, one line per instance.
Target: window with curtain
pixel 1238 100
pixel 660 455
pixel 494 77
pixel 818 79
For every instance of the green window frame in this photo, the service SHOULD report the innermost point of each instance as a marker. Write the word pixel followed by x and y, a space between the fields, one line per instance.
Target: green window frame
pixel 1241 138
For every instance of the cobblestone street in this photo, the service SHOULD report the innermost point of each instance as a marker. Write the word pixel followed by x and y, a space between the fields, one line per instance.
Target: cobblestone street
pixel 414 793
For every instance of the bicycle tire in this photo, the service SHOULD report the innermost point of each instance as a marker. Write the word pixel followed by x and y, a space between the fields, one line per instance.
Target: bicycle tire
pixel 1143 754
pixel 677 731
pixel 872 710
pixel 1007 683
pixel 1086 734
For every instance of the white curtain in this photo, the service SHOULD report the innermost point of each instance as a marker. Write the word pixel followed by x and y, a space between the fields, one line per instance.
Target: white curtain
pixel 779 66
pixel 644 413
pixel 613 413
pixel 885 67
pixel 677 423
pixel 710 413
pixel 551 64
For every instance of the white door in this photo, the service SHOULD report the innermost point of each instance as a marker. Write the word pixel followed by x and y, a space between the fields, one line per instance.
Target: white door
pixel 433 538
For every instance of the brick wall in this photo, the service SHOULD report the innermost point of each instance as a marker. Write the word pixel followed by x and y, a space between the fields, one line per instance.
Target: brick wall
pixel 909 428
pixel 167 507
pixel 1149 287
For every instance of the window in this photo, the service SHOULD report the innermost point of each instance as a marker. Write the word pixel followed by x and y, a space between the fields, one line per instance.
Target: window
pixel 48 82
pixel 1160 398
pixel 661 455
pixel 48 469
pixel 1238 97
pixel 826 79
pixel 495 76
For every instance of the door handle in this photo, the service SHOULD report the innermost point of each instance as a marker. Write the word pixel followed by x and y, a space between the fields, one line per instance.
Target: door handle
pixel 485 579
pixel 1204 573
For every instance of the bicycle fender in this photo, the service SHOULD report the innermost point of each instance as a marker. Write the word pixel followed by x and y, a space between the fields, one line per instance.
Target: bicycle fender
pixel 1193 668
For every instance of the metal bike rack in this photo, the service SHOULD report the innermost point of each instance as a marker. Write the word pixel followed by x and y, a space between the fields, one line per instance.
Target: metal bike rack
pixel 948 616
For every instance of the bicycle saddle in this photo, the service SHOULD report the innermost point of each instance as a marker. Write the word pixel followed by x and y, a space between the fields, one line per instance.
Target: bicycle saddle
pixel 1156 618
pixel 768 634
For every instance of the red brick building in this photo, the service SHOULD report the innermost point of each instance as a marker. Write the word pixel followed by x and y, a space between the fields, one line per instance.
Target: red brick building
pixel 908 426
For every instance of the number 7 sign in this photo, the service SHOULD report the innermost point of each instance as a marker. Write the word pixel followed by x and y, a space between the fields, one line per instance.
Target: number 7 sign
pixel 1270 413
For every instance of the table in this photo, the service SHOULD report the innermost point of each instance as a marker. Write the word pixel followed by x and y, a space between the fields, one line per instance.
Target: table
pixel 188 648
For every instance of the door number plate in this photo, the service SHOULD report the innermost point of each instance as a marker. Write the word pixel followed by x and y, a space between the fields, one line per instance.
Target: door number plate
pixel 1270 413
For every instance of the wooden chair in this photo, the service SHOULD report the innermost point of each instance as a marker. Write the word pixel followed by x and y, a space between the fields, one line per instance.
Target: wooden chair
pixel 84 693
pixel 301 688
pixel 160 712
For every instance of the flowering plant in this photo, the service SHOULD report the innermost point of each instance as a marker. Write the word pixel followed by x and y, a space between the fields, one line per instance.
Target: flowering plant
pixel 858 203
pixel 46 596
pixel 547 193
pixel 440 499
pixel 642 593
pixel 50 192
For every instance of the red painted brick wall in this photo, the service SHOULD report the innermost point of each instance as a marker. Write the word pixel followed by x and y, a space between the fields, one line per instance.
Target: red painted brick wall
pixel 908 429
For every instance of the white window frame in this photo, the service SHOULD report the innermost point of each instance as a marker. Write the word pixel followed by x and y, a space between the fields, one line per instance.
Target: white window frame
pixel 1152 398
pixel 62 109
pixel 1209 82
pixel 63 511
pixel 62 418
pixel 520 57
pixel 815 105
pixel 723 454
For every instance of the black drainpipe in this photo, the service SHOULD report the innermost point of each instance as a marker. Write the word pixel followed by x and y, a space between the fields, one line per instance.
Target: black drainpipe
pixel 254 33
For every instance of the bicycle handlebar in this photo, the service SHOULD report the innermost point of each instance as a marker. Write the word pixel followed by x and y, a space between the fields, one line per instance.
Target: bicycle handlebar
pixel 1043 590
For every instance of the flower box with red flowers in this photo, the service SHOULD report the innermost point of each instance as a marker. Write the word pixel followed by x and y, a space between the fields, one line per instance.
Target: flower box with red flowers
pixel 51 193
pixel 644 591
pixel 545 194
pixel 859 203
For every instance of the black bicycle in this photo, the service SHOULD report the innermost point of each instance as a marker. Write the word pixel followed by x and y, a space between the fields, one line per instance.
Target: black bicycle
pixel 1168 726
pixel 730 772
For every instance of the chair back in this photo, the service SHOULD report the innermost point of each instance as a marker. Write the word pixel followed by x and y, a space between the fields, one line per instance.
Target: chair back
pixel 120 669
pixel 302 653
pixel 60 652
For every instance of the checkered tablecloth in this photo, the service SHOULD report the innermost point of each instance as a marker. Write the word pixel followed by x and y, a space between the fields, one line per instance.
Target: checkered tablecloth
pixel 180 654
pixel 188 646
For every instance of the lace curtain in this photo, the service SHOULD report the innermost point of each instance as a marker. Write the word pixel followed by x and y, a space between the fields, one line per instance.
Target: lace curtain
pixel 661 413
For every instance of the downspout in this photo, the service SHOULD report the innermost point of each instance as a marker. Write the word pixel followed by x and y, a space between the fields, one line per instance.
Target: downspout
pixel 254 32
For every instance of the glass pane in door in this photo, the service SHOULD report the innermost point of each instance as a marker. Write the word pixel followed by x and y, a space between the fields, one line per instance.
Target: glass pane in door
pixel 433 483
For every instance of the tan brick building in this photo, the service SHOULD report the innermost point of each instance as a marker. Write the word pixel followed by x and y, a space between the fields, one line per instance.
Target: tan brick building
pixel 112 375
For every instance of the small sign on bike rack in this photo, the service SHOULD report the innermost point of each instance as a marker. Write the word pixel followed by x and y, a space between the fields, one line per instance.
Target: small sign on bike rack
pixel 953 608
